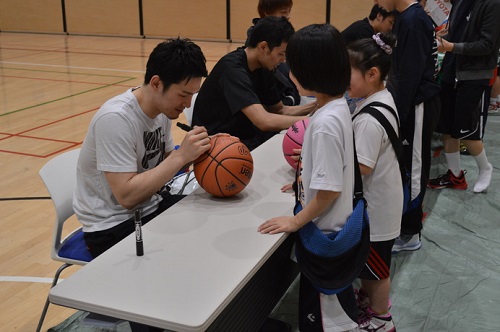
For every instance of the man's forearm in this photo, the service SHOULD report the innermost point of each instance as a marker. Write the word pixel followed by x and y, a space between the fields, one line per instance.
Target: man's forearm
pixel 299 110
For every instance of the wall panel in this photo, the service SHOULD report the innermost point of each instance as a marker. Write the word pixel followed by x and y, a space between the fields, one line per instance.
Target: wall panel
pixel 308 12
pixel 303 13
pixel 109 17
pixel 31 15
pixel 345 12
pixel 197 19
pixel 242 13
pixel 193 18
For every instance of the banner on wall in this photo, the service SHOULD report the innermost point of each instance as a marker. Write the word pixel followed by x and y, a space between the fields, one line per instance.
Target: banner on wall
pixel 439 10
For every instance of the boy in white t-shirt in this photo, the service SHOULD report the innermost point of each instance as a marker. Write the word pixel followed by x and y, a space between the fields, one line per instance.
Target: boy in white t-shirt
pixel 316 54
pixel 382 186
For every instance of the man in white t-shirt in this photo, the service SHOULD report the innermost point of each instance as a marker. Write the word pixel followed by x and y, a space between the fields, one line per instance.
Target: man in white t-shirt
pixel 128 154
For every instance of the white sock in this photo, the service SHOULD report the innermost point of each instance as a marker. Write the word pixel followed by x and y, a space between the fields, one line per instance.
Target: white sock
pixel 453 161
pixel 485 171
pixel 493 101
pixel 482 161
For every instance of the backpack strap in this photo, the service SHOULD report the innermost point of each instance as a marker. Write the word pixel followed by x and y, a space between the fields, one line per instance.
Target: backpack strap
pixel 391 133
pixel 358 183
pixel 387 107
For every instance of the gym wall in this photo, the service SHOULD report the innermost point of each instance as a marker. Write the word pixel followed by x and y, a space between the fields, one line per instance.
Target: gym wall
pixel 196 19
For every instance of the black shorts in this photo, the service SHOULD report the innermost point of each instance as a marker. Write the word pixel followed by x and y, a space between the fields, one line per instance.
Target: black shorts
pixel 498 65
pixel 378 264
pixel 100 241
pixel 461 109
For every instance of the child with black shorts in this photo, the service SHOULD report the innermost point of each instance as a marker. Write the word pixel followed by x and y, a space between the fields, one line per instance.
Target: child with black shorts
pixel 319 66
pixel 471 48
pixel 370 63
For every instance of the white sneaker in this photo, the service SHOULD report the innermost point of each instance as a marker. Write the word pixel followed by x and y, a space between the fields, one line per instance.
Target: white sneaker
pixel 407 243
pixel 380 324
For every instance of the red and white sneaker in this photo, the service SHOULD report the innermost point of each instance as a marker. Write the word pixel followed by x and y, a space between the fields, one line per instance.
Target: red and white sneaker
pixel 449 180
pixel 494 108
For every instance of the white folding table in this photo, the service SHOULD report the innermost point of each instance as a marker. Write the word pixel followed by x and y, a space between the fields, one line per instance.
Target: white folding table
pixel 205 266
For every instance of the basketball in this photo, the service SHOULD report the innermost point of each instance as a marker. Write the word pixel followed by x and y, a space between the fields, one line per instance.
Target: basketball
pixel 293 139
pixel 226 168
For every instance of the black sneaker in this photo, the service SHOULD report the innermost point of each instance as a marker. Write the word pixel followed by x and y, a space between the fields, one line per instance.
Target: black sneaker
pixel 463 150
pixel 448 180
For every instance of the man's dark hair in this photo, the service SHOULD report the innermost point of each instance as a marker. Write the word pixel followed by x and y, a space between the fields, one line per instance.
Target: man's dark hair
pixel 265 7
pixel 174 61
pixel 273 30
pixel 318 59
pixel 376 9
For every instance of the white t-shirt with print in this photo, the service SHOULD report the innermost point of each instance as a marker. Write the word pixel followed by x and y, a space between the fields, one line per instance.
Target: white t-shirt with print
pixel 328 162
pixel 121 138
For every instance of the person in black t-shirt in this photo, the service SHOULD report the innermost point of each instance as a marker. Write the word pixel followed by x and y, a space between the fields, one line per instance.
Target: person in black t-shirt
pixel 379 20
pixel 289 94
pixel 240 97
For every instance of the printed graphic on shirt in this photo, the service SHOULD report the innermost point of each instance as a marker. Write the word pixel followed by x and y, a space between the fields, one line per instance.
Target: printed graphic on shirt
pixel 154 144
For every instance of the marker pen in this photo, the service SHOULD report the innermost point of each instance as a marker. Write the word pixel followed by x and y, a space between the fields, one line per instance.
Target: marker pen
pixel 138 234
pixel 184 127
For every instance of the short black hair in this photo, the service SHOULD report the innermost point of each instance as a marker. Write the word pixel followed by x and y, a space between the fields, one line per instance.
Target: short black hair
pixel 268 6
pixel 175 60
pixel 376 9
pixel 273 30
pixel 318 58
pixel 366 53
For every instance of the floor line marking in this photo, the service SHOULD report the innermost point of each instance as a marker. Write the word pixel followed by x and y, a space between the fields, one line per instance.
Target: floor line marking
pixel 42 156
pixel 27 279
pixel 64 72
pixel 50 123
pixel 38 138
pixel 71 67
pixel 98 52
pixel 66 97
pixel 53 80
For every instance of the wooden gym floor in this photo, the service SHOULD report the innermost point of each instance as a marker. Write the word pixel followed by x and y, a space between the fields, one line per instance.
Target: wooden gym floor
pixel 50 87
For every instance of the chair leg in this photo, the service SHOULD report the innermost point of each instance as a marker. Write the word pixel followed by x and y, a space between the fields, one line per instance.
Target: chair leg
pixel 47 302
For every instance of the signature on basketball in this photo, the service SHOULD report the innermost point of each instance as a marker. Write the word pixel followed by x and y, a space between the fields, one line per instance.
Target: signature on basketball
pixel 231 186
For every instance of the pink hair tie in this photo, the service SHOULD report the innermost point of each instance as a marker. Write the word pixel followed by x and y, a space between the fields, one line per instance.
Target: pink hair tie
pixel 387 49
